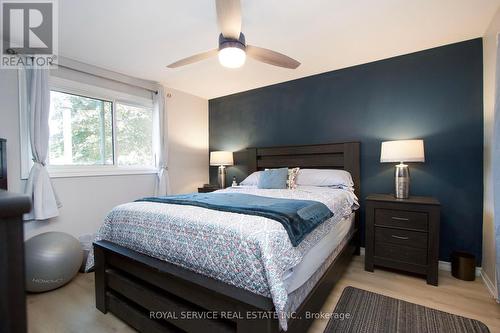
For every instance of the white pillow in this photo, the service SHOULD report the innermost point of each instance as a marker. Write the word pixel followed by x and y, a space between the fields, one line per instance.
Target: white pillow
pixel 252 180
pixel 325 177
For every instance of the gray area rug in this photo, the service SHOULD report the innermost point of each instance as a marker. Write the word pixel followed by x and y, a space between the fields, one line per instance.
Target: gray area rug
pixel 371 312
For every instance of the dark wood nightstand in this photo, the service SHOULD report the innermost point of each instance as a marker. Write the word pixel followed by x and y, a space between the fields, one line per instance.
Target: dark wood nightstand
pixel 403 234
pixel 207 189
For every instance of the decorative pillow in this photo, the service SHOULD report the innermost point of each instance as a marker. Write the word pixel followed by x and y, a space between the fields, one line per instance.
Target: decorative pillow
pixel 325 177
pixel 292 178
pixel 252 180
pixel 273 178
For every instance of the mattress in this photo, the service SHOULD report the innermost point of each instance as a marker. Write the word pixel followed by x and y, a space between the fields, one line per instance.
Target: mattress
pixel 297 297
pixel 250 252
pixel 314 258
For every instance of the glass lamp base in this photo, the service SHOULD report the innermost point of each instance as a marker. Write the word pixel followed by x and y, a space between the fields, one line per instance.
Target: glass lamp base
pixel 402 181
pixel 222 176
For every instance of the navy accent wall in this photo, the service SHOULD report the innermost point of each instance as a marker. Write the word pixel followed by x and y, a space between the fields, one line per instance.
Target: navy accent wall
pixel 436 95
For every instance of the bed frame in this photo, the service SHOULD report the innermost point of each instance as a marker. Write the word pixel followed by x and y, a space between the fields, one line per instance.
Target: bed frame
pixel 132 285
pixel 3 164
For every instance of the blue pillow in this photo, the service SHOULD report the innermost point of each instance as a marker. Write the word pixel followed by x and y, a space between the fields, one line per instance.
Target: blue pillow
pixel 273 178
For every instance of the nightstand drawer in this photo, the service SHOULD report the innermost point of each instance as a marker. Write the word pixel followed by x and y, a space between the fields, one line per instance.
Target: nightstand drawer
pixel 401 253
pixel 401 219
pixel 401 237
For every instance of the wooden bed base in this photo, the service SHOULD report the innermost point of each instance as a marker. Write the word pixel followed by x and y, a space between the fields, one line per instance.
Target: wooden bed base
pixel 152 295
pixel 132 285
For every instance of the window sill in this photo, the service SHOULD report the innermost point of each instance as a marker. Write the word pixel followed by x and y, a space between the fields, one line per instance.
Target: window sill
pixel 67 172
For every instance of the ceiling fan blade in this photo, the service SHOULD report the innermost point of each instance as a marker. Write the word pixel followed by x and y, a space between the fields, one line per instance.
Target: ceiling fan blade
pixel 229 17
pixel 271 57
pixel 195 58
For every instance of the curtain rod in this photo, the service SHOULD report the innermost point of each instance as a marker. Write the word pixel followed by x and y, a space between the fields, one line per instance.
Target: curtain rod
pixel 107 78
pixel 93 73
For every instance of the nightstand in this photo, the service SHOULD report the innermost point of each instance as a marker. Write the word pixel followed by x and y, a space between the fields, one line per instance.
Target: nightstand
pixel 403 234
pixel 207 189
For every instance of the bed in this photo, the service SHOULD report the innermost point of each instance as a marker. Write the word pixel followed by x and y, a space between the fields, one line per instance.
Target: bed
pixel 154 293
pixel 3 164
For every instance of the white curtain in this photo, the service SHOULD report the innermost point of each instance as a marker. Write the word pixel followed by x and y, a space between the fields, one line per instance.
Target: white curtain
pixel 39 186
pixel 161 142
pixel 496 167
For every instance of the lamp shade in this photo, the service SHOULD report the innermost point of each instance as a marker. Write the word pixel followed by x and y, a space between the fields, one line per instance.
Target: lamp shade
pixel 402 151
pixel 221 158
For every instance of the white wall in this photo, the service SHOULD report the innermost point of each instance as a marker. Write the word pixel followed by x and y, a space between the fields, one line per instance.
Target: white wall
pixel 489 63
pixel 188 141
pixel 86 200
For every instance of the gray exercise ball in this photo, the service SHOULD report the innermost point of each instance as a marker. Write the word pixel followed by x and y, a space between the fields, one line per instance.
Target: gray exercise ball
pixel 52 259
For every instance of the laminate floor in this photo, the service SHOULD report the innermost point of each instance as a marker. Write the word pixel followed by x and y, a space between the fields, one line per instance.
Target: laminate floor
pixel 72 309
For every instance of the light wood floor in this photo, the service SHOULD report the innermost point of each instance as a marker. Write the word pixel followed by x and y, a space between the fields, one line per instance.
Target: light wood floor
pixel 71 308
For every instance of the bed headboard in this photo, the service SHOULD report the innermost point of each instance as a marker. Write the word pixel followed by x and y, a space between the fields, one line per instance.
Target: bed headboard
pixel 3 164
pixel 324 156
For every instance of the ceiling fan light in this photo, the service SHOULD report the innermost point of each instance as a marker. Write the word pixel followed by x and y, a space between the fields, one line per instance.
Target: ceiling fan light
pixel 232 57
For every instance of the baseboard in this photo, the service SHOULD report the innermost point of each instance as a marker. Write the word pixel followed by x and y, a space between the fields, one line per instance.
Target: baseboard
pixel 490 286
pixel 446 266
pixel 443 265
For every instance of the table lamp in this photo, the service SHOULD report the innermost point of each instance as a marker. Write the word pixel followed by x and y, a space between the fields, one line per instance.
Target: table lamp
pixel 221 159
pixel 402 151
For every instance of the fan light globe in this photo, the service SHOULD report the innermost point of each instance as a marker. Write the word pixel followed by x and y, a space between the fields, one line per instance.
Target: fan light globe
pixel 232 57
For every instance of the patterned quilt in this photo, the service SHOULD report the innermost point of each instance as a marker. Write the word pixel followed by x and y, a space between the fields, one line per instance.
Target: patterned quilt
pixel 249 252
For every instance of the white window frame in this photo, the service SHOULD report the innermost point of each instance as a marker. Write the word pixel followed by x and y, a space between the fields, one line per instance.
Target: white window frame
pixel 85 90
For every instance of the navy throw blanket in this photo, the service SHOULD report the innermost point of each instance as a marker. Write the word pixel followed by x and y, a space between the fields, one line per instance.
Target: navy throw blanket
pixel 298 217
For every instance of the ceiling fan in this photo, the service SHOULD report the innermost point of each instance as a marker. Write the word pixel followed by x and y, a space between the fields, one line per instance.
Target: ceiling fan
pixel 233 49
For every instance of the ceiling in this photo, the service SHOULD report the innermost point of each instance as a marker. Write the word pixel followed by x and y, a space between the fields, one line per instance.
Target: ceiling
pixel 140 38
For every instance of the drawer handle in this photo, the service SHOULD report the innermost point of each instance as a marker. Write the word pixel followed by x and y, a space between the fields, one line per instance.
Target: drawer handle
pixel 400 218
pixel 400 237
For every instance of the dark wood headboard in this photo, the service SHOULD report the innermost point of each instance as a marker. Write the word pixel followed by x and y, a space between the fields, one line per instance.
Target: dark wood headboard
pixel 324 156
pixel 3 164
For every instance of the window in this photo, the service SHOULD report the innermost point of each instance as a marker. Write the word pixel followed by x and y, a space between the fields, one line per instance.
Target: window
pixel 81 130
pixel 134 135
pixel 95 131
